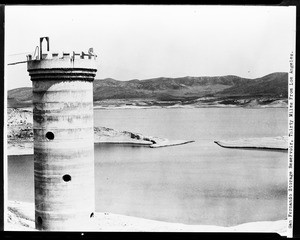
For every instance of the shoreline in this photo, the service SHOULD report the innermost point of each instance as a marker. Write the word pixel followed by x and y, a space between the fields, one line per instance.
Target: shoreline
pixel 20 135
pixel 253 148
pixel 20 217
pixel 175 106
pixel 265 143
pixel 26 148
pixel 183 106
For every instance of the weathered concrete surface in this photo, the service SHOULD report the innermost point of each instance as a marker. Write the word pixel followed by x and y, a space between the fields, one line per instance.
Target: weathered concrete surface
pixel 64 63
pixel 63 142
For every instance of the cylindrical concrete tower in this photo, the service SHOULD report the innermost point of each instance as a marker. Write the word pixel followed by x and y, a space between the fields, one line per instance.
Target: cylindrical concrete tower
pixel 63 140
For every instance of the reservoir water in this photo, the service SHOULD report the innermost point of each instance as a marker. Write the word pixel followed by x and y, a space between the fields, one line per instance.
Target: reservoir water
pixel 196 183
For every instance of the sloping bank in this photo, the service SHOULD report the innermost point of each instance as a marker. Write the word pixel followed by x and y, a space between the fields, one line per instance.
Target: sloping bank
pixel 20 217
pixel 266 143
pixel 20 135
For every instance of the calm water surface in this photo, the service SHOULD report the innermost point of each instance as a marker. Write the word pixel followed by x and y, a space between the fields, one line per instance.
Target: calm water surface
pixel 197 183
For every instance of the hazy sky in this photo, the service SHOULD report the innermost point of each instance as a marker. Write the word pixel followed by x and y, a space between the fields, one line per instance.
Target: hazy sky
pixel 155 41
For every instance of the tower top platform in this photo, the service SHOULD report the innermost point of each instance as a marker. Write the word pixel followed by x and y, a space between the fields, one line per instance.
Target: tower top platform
pixel 62 60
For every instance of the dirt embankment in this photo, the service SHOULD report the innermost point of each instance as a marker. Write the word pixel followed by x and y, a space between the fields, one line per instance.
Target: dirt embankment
pixel 19 125
pixel 20 134
pixel 20 217
pixel 279 143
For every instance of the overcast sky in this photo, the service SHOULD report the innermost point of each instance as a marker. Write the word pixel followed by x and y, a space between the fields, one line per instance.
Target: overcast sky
pixel 140 42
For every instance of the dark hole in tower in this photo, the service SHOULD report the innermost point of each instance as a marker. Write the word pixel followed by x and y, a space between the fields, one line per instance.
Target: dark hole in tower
pixel 50 135
pixel 66 178
pixel 92 215
pixel 40 221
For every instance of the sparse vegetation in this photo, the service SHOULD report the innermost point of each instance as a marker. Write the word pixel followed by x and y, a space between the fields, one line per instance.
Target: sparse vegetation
pixel 198 91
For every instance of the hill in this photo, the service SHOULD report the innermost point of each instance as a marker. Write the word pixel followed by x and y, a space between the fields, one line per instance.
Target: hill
pixel 272 85
pixel 226 90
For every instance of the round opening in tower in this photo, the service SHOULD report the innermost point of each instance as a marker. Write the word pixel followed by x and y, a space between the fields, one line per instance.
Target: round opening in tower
pixel 66 177
pixel 50 135
pixel 40 221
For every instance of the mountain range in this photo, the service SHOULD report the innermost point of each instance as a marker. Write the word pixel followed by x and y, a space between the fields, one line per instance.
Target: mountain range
pixel 200 91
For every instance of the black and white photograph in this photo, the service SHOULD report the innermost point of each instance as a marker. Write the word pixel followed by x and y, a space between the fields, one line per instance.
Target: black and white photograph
pixel 149 118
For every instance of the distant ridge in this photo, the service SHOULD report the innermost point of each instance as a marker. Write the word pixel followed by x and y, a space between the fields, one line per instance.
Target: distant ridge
pixel 274 85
